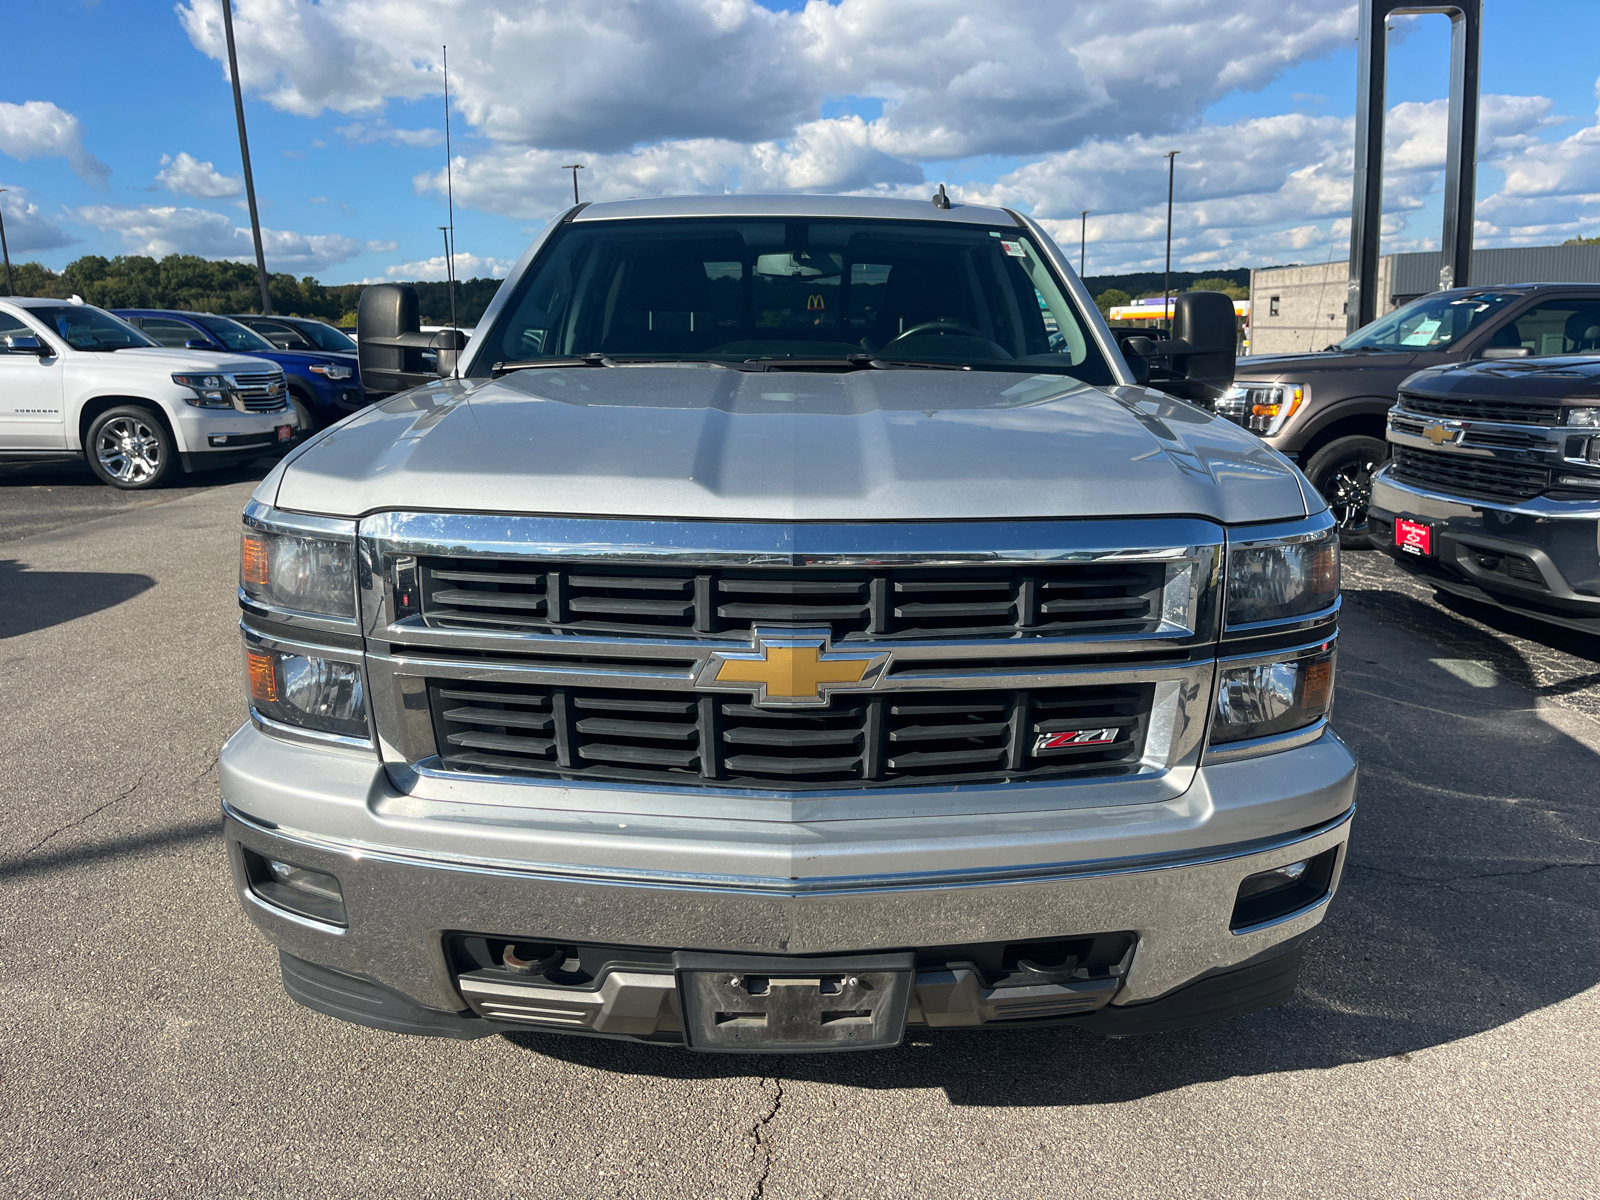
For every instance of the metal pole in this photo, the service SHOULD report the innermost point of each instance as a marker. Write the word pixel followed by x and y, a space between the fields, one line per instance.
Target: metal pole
pixel 450 196
pixel 1461 152
pixel 1166 276
pixel 4 249
pixel 244 153
pixel 1083 238
pixel 574 168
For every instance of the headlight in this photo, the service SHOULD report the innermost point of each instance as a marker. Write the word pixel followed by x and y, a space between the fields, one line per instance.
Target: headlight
pixel 210 391
pixel 307 692
pixel 293 571
pixel 1265 698
pixel 1282 578
pixel 1262 408
pixel 1587 418
pixel 331 370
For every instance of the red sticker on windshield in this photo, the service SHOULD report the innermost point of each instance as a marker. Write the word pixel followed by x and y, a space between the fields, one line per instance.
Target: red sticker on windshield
pixel 1014 249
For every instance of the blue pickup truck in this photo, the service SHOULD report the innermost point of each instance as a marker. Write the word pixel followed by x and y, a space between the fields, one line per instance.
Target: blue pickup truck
pixel 324 385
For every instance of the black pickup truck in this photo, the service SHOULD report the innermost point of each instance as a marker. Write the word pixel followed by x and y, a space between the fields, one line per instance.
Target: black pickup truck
pixel 1327 410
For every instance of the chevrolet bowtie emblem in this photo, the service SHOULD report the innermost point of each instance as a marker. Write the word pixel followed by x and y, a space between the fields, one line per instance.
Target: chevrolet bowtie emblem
pixel 792 668
pixel 1440 432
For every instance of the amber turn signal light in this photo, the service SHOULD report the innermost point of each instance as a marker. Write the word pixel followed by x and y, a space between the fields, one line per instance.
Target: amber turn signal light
pixel 263 676
pixel 253 561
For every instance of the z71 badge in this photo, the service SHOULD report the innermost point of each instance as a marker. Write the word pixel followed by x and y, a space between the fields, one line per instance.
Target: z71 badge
pixel 1074 739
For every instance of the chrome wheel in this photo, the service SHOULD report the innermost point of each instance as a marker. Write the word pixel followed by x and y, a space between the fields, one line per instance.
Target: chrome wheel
pixel 129 450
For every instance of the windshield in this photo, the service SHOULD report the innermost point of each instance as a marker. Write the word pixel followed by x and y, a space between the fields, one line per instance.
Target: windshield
pixel 1431 323
pixel 232 334
pixel 326 337
pixel 737 290
pixel 86 328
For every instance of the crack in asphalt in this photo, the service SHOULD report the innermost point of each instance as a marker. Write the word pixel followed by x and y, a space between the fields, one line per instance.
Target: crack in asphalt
pixel 92 813
pixel 1444 881
pixel 761 1147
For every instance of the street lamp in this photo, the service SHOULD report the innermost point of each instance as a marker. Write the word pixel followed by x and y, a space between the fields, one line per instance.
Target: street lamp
pixel 574 168
pixel 1083 238
pixel 4 249
pixel 1166 276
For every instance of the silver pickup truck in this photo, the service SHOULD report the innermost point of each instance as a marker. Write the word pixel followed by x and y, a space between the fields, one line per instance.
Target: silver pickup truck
pixel 788 622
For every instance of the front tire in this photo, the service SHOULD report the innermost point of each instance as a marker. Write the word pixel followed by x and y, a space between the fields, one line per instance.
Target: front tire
pixel 1342 474
pixel 305 413
pixel 129 448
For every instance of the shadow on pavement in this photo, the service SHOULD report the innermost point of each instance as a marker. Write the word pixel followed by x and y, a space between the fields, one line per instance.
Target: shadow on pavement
pixel 37 600
pixel 1469 900
pixel 76 473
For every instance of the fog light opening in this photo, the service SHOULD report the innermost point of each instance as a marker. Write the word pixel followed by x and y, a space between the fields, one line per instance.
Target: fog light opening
pixel 1269 896
pixel 300 890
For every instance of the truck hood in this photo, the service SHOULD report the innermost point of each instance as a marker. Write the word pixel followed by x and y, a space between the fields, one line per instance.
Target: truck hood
pixel 161 358
pixel 698 441
pixel 1294 366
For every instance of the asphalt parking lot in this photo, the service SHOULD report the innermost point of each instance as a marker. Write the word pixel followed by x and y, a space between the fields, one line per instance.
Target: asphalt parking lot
pixel 1443 1043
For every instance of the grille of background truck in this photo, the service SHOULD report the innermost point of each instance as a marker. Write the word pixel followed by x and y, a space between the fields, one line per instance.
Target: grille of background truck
pixel 1469 408
pixel 1459 473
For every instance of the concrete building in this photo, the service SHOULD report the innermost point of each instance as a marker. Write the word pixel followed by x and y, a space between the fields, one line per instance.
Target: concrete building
pixel 1299 309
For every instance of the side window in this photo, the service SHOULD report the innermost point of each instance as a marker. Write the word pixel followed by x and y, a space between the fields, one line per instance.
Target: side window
pixel 284 337
pixel 1570 326
pixel 168 332
pixel 1272 306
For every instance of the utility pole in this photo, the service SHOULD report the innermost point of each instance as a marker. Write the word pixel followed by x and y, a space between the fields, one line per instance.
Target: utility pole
pixel 1166 276
pixel 1083 238
pixel 574 168
pixel 4 249
pixel 244 153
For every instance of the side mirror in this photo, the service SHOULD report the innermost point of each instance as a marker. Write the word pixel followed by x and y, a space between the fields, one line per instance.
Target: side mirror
pixel 1505 352
pixel 1138 350
pixel 390 342
pixel 1200 356
pixel 28 344
pixel 198 344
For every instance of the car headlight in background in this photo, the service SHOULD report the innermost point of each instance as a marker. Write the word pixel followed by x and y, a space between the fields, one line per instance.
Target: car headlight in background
pixel 1586 418
pixel 1282 578
pixel 1263 408
pixel 331 370
pixel 210 391
pixel 307 692
pixel 1265 698
pixel 298 572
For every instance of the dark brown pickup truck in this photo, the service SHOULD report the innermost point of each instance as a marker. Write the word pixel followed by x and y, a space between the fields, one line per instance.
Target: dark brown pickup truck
pixel 1327 410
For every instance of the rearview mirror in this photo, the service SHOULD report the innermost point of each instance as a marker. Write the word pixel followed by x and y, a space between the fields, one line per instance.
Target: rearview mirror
pixel 391 345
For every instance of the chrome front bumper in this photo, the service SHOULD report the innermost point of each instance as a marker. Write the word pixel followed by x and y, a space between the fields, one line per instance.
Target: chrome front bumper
pixel 415 870
pixel 1560 538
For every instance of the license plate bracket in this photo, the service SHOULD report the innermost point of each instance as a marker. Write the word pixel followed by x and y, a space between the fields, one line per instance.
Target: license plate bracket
pixel 743 1004
pixel 1414 537
pixel 285 433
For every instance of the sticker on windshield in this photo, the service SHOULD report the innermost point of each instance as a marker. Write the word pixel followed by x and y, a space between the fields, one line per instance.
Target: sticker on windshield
pixel 1422 334
pixel 1014 249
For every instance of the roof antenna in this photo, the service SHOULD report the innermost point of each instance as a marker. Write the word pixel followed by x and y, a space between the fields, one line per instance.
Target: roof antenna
pixel 940 200
pixel 450 199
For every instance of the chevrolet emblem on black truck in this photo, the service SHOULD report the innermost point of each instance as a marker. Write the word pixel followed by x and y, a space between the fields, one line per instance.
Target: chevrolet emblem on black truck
pixel 786 623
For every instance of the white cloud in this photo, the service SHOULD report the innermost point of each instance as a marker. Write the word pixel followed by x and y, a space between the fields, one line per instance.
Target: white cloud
pixel 468 266
pixel 38 129
pixel 382 247
pixel 28 229
pixel 161 230
pixel 957 79
pixel 201 179
pixel 358 133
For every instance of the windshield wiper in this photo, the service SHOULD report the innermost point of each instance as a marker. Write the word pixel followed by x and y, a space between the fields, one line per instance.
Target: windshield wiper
pixel 528 364
pixel 850 362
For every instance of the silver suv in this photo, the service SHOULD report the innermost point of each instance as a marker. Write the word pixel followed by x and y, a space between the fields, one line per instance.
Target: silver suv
pixel 788 623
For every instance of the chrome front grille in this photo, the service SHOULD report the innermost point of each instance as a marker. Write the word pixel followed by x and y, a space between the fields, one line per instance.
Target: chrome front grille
pixel 261 391
pixel 514 649
pixel 863 602
pixel 684 738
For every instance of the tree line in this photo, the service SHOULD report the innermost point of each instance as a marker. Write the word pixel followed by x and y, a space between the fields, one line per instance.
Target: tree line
pixel 194 284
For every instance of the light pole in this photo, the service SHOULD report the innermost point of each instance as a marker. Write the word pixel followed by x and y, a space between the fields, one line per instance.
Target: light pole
pixel 244 153
pixel 574 168
pixel 1166 276
pixel 4 249
pixel 1083 238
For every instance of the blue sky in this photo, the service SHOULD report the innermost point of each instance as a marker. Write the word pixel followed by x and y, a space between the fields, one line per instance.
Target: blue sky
pixel 1046 106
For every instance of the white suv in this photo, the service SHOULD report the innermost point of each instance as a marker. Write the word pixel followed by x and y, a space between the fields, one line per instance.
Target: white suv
pixel 76 380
